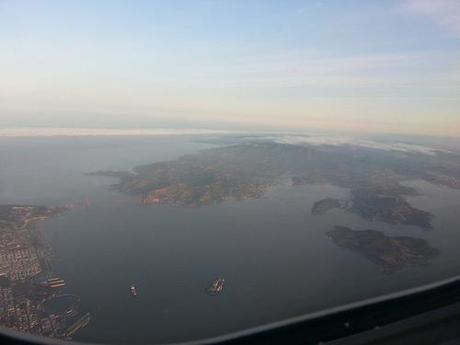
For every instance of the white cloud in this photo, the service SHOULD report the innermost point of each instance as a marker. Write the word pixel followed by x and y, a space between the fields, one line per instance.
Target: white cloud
pixel 314 68
pixel 76 132
pixel 445 12
pixel 319 140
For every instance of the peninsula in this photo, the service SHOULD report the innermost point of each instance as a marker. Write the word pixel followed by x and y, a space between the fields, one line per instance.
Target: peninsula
pixel 245 171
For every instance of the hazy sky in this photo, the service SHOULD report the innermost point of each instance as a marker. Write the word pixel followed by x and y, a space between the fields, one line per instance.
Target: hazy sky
pixel 389 66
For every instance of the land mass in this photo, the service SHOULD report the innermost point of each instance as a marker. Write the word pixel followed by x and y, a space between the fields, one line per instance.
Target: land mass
pixel 242 171
pixel 390 253
pixel 26 281
pixel 374 207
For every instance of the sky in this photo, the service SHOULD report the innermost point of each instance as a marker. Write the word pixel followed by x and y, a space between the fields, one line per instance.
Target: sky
pixel 345 65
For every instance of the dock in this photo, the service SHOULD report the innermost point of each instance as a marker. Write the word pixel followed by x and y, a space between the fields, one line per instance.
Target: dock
pixel 55 282
pixel 79 324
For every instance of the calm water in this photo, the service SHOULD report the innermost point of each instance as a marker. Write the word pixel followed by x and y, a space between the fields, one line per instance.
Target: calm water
pixel 275 257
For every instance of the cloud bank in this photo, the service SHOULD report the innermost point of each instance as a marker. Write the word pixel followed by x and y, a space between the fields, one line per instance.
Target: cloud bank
pixel 444 12
pixel 79 132
pixel 318 140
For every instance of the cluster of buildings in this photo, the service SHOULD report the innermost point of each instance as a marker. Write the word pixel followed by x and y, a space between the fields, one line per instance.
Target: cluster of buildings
pixel 20 263
pixel 24 289
pixel 6 301
pixel 25 315
pixel 20 254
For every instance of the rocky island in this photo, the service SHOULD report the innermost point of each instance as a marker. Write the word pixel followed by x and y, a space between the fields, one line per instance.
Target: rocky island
pixel 390 253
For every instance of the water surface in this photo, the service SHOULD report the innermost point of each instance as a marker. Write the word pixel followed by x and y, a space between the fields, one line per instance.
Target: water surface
pixel 274 255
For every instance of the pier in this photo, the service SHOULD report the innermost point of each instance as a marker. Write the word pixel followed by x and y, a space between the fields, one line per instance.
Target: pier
pixel 79 324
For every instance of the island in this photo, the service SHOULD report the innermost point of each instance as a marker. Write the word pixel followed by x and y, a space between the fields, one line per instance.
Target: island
pixel 389 252
pixel 27 285
pixel 374 207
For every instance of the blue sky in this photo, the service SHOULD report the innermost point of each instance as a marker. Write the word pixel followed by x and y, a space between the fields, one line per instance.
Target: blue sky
pixel 378 66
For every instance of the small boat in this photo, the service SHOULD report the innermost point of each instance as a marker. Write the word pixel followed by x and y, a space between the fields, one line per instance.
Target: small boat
pixel 216 287
pixel 133 290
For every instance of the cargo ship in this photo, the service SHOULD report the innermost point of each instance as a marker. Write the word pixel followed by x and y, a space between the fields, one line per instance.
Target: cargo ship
pixel 133 290
pixel 216 287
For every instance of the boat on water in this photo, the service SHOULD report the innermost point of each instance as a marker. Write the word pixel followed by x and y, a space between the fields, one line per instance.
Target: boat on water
pixel 216 287
pixel 133 290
